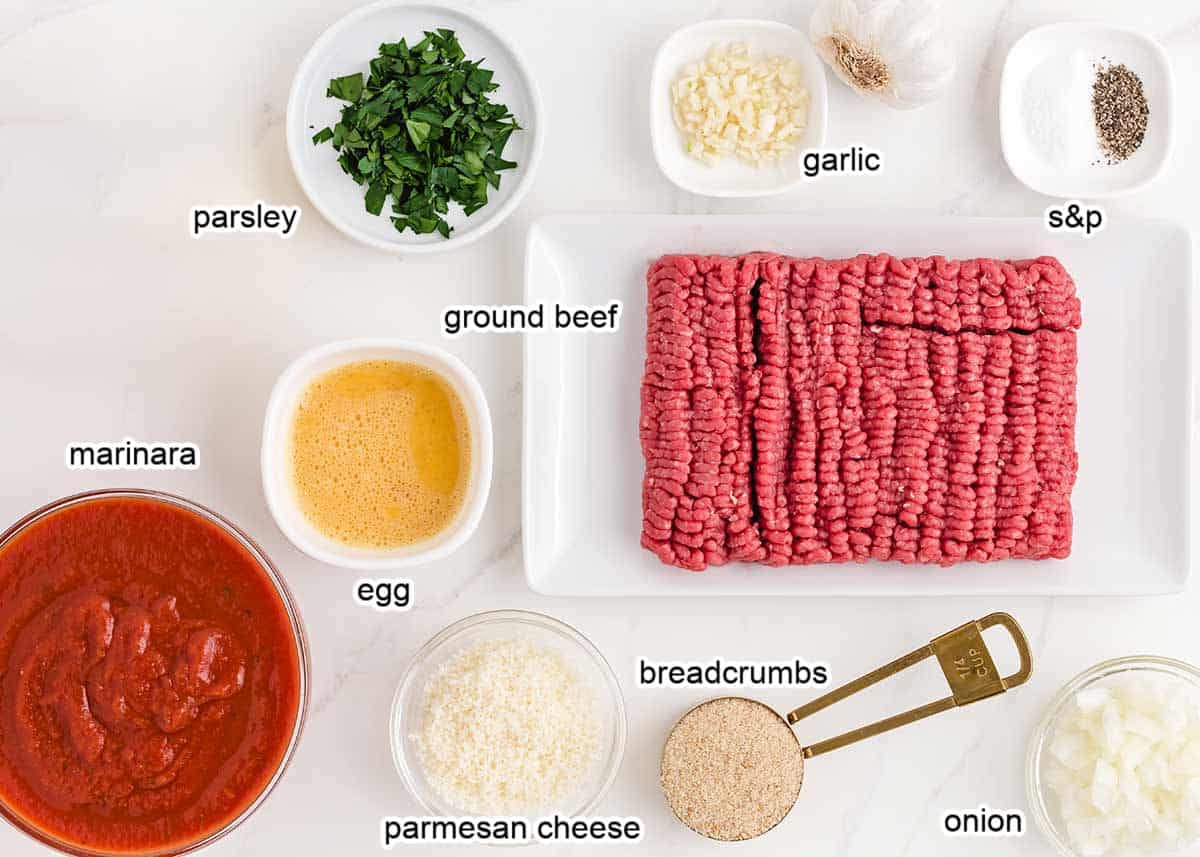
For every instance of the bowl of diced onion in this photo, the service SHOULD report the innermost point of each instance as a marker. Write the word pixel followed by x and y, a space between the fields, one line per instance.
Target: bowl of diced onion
pixel 1114 766
pixel 733 104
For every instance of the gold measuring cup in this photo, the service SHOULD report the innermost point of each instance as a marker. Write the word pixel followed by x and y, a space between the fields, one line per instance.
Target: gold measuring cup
pixel 732 767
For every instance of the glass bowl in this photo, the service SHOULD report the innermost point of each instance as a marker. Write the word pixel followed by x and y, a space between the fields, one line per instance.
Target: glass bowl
pixel 541 630
pixel 298 637
pixel 1164 669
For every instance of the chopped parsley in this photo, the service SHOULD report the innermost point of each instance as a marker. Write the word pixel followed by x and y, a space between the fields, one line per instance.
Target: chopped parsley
pixel 422 130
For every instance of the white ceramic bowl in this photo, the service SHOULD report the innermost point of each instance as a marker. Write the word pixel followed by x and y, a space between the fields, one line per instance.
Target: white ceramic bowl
pixel 731 177
pixel 348 46
pixel 276 446
pixel 1094 42
pixel 541 630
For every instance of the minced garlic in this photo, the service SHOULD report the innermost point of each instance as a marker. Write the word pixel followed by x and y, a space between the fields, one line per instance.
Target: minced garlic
pixel 508 727
pixel 731 103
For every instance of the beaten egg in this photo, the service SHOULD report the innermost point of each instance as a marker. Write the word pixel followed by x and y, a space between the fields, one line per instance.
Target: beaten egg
pixel 380 454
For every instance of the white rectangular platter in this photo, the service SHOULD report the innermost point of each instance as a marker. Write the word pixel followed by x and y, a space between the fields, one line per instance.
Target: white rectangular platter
pixel 583 461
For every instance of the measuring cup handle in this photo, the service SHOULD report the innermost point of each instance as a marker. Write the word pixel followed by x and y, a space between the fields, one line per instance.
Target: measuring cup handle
pixel 1008 623
pixel 966 663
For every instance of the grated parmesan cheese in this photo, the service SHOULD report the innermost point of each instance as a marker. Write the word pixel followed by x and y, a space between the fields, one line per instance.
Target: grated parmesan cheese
pixel 508 728
pixel 731 103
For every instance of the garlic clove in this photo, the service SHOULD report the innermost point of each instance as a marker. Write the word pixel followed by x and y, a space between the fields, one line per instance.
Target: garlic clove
pixel 901 36
pixel 920 79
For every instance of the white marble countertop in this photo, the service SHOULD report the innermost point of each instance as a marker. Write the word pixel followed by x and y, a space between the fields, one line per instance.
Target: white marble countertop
pixel 117 116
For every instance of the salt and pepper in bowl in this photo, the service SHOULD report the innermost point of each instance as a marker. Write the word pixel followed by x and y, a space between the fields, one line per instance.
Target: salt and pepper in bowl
pixel 1086 110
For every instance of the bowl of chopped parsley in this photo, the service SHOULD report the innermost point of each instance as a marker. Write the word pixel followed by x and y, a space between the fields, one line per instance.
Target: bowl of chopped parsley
pixel 413 127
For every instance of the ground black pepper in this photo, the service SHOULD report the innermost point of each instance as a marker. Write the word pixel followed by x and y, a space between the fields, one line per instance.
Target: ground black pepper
pixel 1121 111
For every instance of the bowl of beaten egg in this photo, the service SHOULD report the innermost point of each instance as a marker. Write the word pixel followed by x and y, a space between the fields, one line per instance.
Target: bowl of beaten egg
pixel 377 453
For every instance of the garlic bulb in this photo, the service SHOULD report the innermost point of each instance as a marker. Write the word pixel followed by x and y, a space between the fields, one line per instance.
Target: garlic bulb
pixel 892 50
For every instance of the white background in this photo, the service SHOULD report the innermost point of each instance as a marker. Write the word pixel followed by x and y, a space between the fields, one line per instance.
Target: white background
pixel 117 117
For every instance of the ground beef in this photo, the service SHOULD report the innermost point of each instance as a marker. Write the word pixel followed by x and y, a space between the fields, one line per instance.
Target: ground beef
pixel 745 538
pixel 798 411
pixel 772 421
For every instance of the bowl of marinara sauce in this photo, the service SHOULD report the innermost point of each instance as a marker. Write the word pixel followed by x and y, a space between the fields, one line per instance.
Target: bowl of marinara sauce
pixel 153 675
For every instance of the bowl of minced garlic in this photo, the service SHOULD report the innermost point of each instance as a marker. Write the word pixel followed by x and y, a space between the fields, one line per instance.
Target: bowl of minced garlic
pixel 377 454
pixel 508 713
pixel 733 104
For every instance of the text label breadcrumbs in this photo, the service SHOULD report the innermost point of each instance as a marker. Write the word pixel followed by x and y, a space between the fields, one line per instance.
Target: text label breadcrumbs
pixel 717 672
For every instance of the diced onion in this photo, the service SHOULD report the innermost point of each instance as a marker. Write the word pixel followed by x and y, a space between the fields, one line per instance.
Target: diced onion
pixel 1123 763
pixel 734 103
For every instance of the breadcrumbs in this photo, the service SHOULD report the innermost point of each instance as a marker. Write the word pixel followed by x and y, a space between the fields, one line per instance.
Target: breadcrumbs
pixel 732 768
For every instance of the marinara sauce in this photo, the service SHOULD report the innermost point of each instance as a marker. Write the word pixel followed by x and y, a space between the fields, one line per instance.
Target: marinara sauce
pixel 150 676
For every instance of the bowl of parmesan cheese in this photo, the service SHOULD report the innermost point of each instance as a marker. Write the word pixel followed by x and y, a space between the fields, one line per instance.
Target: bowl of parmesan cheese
pixel 508 714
